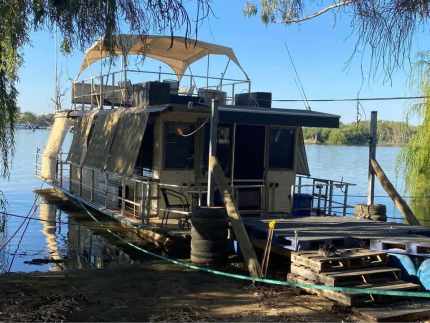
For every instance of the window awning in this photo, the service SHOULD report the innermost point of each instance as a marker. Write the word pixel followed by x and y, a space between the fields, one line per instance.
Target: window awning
pixel 177 52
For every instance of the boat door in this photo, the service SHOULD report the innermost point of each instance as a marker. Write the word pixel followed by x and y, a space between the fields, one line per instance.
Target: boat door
pixel 249 148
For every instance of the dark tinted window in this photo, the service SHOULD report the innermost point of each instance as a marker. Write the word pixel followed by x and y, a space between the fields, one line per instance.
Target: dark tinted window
pixel 179 150
pixel 145 159
pixel 281 153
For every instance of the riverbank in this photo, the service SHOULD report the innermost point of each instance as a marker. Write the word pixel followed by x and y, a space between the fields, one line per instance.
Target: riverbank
pixel 390 133
pixel 152 292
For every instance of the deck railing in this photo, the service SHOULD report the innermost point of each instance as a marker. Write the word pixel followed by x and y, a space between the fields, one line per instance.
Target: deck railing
pixel 328 197
pixel 137 197
pixel 115 89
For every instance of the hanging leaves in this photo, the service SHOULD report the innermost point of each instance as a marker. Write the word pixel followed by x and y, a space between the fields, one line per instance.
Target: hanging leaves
pixel 79 23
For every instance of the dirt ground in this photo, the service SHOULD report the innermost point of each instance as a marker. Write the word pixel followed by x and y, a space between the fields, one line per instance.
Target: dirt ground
pixel 153 292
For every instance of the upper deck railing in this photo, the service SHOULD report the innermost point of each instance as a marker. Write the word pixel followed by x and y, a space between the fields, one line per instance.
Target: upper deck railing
pixel 117 89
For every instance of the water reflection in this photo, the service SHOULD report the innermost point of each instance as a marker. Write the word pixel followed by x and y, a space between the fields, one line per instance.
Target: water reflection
pixel 72 241
pixel 48 216
pixel 88 249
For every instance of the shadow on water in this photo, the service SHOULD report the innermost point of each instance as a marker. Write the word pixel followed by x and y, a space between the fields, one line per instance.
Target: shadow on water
pixel 71 240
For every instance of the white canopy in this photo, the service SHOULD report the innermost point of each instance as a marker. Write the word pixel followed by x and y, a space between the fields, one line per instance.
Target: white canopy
pixel 177 52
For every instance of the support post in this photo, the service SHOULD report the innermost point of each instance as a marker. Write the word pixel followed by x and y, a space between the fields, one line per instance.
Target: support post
pixel 372 155
pixel 80 181
pixel 399 202
pixel 123 186
pixel 106 189
pixel 233 214
pixel 213 141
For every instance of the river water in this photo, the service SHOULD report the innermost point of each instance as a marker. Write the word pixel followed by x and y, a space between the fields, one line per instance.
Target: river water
pixel 42 240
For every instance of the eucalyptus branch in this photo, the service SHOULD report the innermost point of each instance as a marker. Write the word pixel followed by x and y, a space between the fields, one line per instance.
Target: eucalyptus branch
pixel 319 13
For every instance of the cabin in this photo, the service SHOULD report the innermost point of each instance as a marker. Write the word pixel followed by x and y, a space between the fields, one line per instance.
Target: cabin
pixel 140 146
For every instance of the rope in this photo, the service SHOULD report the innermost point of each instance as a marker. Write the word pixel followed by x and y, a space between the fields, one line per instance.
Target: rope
pixel 349 290
pixel 194 131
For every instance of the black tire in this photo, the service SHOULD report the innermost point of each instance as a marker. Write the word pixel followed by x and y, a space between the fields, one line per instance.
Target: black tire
pixel 206 261
pixel 209 213
pixel 376 212
pixel 204 246
pixel 210 233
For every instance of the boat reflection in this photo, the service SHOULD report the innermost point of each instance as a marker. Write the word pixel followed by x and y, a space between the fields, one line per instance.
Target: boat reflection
pixel 86 244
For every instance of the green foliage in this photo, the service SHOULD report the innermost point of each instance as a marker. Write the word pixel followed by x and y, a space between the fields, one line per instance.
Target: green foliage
pixel 78 23
pixel 415 160
pixel 389 133
pixel 385 28
pixel 33 120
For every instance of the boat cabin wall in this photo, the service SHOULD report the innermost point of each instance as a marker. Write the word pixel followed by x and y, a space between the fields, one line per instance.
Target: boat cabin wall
pixel 263 156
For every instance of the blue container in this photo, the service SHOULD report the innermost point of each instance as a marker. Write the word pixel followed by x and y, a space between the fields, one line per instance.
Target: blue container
pixel 302 204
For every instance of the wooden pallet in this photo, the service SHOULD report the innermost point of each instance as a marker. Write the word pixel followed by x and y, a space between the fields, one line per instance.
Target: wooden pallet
pixel 356 299
pixel 351 258
pixel 349 277
pixel 410 247
pixel 358 268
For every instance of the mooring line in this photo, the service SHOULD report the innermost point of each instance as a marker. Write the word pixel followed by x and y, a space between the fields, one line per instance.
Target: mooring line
pixel 288 283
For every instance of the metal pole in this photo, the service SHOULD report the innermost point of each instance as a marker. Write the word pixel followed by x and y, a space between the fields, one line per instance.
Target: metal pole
pixel 92 185
pixel 80 181
pixel 113 90
pixel 213 140
pixel 123 186
pixel 91 92
pixel 101 94
pixel 207 74
pixel 330 197
pixel 345 200
pixel 372 155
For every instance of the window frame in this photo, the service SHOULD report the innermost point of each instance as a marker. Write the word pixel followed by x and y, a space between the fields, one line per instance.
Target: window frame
pixel 164 146
pixel 269 148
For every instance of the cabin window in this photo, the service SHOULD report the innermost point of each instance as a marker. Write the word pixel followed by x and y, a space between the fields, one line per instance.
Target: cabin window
pixel 179 148
pixel 281 148
pixel 224 148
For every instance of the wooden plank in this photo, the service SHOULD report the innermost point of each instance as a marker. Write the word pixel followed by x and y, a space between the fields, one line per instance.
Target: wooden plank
pixel 239 229
pixel 394 195
pixel 344 299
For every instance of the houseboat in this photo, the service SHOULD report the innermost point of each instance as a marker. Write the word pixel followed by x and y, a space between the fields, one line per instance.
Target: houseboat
pixel 144 142
pixel 141 138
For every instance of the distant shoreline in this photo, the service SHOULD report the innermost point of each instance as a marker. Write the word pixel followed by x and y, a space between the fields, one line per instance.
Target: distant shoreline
pixel 352 145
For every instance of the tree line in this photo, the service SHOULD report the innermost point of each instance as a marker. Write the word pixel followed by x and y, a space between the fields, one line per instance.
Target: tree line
pixel 31 120
pixel 389 133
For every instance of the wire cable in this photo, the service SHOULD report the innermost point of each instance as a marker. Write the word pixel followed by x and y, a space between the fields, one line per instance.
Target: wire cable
pixel 21 225
pixel 393 98
pixel 297 79
pixel 20 239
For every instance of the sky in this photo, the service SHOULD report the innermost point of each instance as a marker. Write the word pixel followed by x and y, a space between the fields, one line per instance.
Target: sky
pixel 320 48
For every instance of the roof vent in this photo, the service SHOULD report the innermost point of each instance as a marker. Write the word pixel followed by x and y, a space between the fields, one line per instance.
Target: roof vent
pixel 254 99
